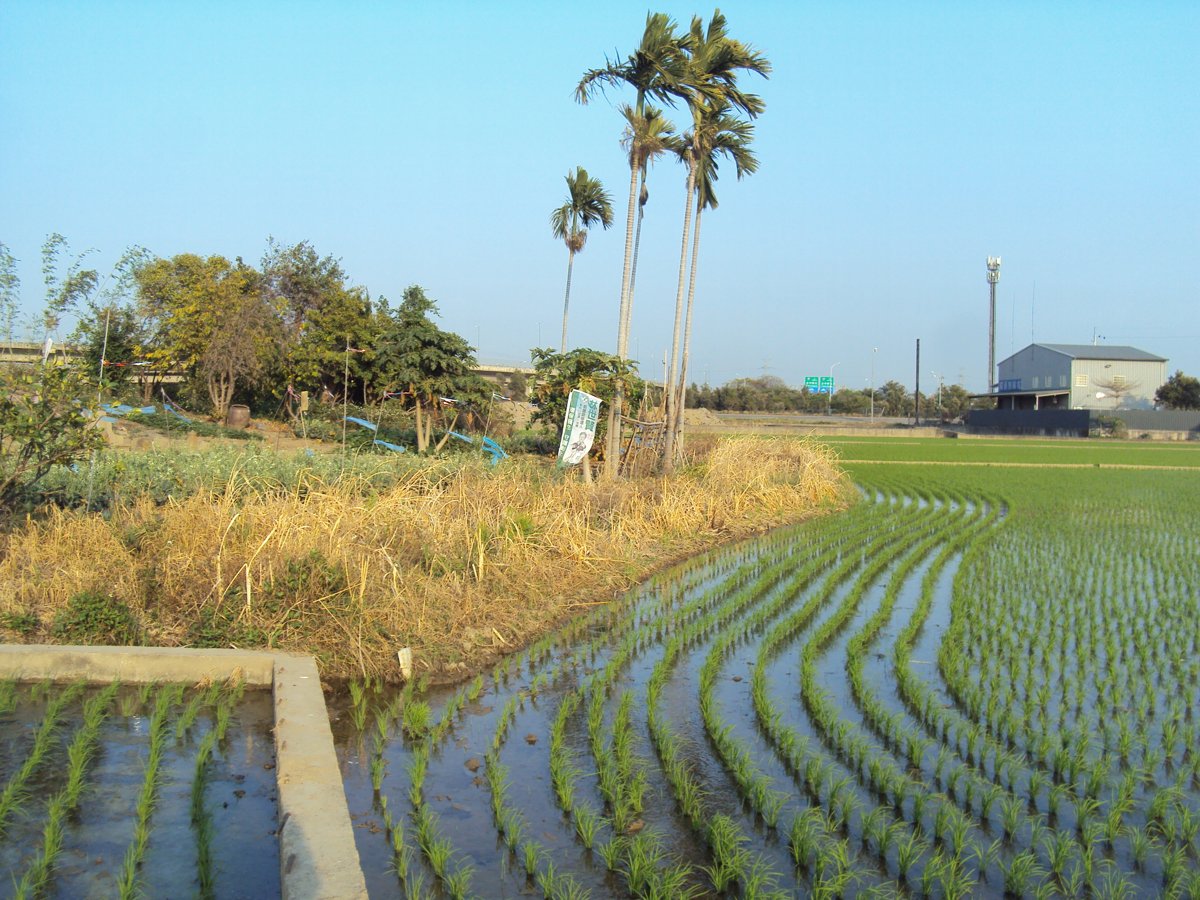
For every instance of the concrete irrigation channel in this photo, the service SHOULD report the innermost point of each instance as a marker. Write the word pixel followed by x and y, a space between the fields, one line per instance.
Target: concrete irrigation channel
pixel 309 841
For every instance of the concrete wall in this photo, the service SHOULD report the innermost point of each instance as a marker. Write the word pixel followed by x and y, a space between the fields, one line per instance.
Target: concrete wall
pixel 1072 422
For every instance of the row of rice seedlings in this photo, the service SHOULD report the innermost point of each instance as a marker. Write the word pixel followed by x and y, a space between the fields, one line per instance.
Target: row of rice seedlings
pixel 933 714
pixel 8 696
pixel 847 741
pixel 1068 764
pixel 437 849
pixel 902 738
pixel 732 863
pixel 225 697
pixel 815 841
pixel 16 794
pixel 80 754
pixel 806 762
pixel 165 699
pixel 639 858
pixel 754 786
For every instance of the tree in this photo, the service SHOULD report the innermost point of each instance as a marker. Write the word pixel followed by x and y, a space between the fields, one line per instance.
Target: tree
pixel 244 338
pixel 598 373
pixel 717 133
pixel 654 70
pixel 649 135
pixel 587 204
pixel 109 335
pixel 208 319
pixel 894 399
pixel 709 86
pixel 320 317
pixel 1179 392
pixel 10 292
pixel 64 291
pixel 1116 387
pixel 42 425
pixel 430 365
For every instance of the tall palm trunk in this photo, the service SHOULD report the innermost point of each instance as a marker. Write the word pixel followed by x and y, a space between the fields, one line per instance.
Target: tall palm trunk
pixel 637 237
pixel 687 335
pixel 612 450
pixel 668 461
pixel 567 297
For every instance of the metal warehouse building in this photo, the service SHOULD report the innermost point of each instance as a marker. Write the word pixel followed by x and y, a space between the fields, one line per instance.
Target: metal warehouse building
pixel 1079 376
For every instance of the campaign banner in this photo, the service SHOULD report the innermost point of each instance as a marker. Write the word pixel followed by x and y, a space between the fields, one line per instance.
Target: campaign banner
pixel 579 427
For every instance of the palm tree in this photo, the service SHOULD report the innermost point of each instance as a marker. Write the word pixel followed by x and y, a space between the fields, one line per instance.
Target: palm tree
pixel 587 204
pixel 709 83
pixel 654 71
pixel 719 133
pixel 647 136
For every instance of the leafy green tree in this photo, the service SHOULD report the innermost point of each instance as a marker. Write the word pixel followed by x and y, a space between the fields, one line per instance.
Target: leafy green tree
pixel 655 71
pixel 244 340
pixel 109 335
pixel 956 401
pixel 587 204
pixel 893 399
pixel 1179 392
pixel 208 319
pixel 321 317
pixel 10 292
pixel 430 366
pixel 64 290
pixel 598 373
pixel 42 425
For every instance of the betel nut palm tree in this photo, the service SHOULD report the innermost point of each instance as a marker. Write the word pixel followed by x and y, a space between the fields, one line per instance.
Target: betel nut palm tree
pixel 709 83
pixel 654 70
pixel 587 204
pixel 718 134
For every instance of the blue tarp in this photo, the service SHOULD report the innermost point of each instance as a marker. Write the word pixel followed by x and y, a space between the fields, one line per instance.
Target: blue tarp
pixel 396 448
pixel 363 422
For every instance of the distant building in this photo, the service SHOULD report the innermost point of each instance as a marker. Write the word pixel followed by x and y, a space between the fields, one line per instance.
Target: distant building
pixel 1079 376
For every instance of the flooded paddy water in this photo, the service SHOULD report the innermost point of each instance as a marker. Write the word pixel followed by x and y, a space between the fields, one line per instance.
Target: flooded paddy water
pixel 152 791
pixel 977 684
pixel 815 712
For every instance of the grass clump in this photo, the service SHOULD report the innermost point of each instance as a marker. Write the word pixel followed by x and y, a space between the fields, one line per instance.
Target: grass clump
pixel 93 617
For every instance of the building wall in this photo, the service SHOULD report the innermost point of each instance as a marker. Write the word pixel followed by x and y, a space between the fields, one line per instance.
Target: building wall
pixel 1091 376
pixel 1037 369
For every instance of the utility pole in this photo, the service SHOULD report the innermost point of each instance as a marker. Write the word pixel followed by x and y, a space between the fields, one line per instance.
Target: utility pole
pixel 993 275
pixel 917 392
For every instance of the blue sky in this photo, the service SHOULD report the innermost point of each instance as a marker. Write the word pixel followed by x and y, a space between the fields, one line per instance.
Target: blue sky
pixel 427 143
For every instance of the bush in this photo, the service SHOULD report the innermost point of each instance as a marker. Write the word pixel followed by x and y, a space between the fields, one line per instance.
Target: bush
pixel 96 618
pixel 42 427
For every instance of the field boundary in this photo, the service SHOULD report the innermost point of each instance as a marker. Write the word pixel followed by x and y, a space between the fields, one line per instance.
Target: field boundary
pixel 317 854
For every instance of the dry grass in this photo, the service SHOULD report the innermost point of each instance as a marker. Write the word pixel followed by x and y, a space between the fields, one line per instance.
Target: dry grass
pixel 461 563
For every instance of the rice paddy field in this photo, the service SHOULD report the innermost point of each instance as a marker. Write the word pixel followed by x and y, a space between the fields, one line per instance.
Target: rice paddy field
pixel 980 680
pixel 126 791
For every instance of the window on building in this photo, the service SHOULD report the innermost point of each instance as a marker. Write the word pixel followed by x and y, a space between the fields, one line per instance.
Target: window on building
pixel 1118 381
pixel 1035 382
pixel 1062 380
pixel 1081 380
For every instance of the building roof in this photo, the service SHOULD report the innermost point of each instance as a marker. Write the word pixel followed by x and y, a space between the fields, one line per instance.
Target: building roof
pixel 1102 351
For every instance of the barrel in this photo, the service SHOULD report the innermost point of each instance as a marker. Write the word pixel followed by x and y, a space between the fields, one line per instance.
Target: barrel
pixel 238 416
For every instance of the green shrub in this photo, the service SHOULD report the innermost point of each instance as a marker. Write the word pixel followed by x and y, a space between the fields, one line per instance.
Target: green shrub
pixel 24 623
pixel 93 617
